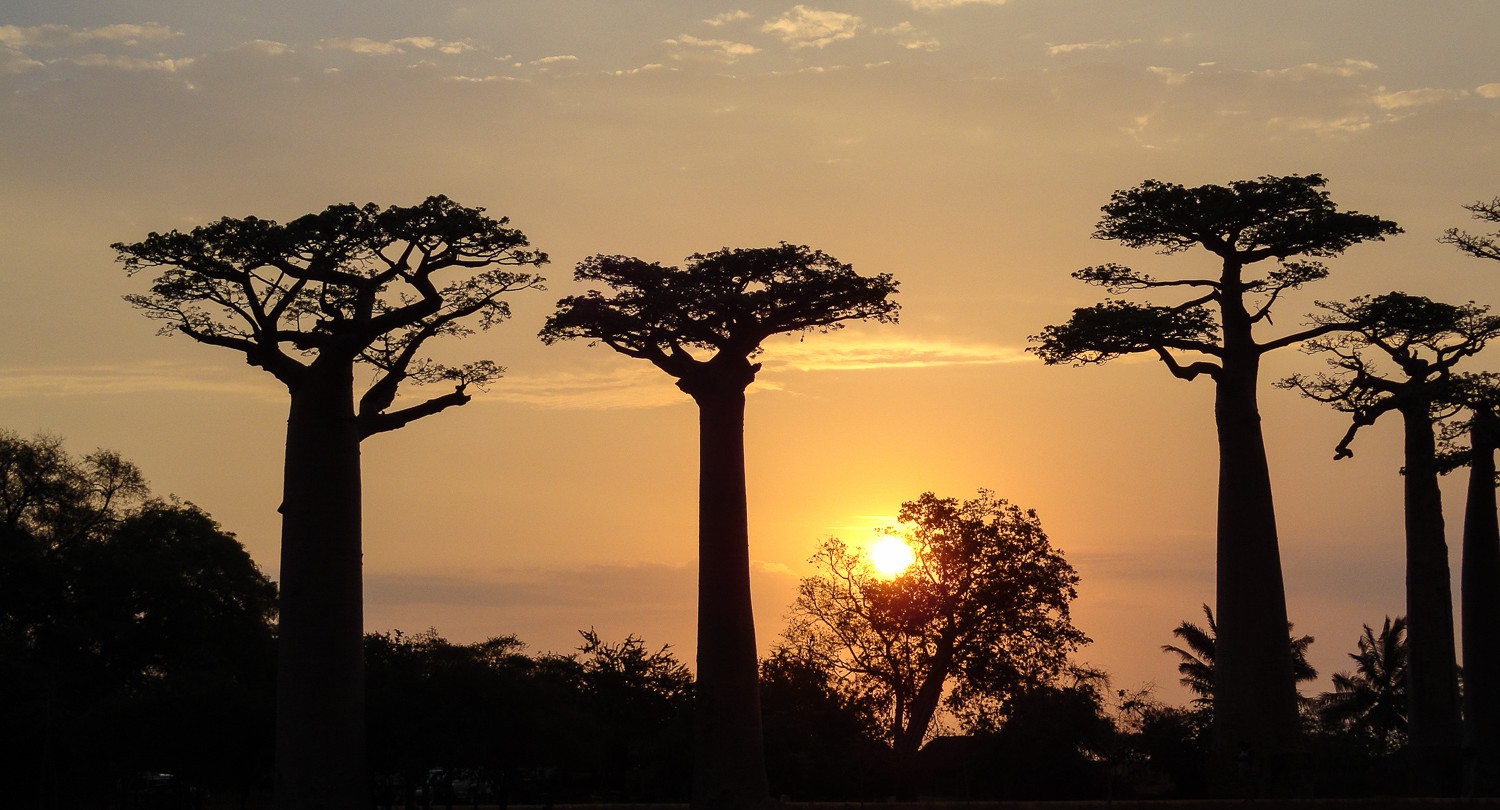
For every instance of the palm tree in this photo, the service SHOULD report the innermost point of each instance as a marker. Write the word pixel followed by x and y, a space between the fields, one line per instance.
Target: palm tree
pixel 1197 664
pixel 1372 700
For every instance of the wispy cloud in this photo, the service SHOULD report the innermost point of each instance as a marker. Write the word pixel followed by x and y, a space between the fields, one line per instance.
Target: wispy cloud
pixel 132 64
pixel 61 35
pixel 934 5
pixel 803 27
pixel 717 50
pixel 1096 45
pixel 1491 90
pixel 727 18
pixel 365 45
pixel 874 353
pixel 1416 98
pixel 1346 68
pixel 85 381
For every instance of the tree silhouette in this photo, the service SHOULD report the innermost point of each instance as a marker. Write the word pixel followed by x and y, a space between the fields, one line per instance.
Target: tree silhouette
pixel 1212 334
pixel 1371 701
pixel 131 629
pixel 1197 656
pixel 1424 339
pixel 308 302
pixel 980 616
pixel 1480 577
pixel 725 304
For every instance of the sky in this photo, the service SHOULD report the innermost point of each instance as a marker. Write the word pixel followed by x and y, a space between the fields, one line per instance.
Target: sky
pixel 964 146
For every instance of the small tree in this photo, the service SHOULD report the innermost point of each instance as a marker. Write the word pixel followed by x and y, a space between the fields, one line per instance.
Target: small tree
pixel 308 302
pixel 1371 701
pixel 1196 664
pixel 1424 339
pixel 980 616
pixel 1211 333
pixel 722 306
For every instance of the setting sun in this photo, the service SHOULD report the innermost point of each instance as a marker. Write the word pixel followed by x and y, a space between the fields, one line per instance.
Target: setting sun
pixel 891 555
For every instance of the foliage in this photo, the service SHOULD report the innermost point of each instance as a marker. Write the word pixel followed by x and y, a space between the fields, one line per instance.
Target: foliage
pixel 982 615
pixel 728 301
pixel 1422 338
pixel 1480 246
pixel 1371 701
pixel 352 283
pixel 131 629
pixel 1243 223
pixel 1197 657
pixel 822 741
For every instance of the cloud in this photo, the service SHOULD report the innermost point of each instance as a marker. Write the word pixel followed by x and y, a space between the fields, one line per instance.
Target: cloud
pixel 726 18
pixel 935 5
pixel 1416 98
pixel 365 45
pixel 105 381
pixel 832 354
pixel 1347 68
pixel 717 50
pixel 1488 90
pixel 131 64
pixel 803 27
pixel 621 385
pixel 13 62
pixel 548 60
pixel 1097 45
pixel 37 36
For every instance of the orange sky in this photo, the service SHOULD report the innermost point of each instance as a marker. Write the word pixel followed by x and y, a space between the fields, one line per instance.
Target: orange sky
pixel 964 147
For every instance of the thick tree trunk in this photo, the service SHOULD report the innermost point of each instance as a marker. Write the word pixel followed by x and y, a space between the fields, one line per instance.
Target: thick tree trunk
pixel 729 757
pixel 1432 670
pixel 908 740
pixel 1480 603
pixel 1254 743
pixel 320 740
pixel 1255 740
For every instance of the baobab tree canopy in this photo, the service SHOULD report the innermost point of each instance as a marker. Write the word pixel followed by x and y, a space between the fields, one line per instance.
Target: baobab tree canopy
pixel 727 302
pixel 351 283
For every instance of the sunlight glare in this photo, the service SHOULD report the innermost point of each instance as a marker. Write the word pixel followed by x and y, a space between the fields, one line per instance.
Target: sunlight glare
pixel 891 555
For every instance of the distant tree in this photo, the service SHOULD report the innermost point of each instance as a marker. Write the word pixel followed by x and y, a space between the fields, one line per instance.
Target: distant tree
pixel 1371 701
pixel 131 629
pixel 1212 334
pixel 1424 340
pixel 1199 653
pixel 981 616
pixel 1480 578
pixel 308 302
pixel 724 304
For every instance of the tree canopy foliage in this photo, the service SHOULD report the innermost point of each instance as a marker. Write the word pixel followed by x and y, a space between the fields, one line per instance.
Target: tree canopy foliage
pixel 131 629
pixel 981 616
pixel 353 283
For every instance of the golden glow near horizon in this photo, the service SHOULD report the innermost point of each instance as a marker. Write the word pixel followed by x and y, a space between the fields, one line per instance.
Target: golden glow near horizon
pixel 891 556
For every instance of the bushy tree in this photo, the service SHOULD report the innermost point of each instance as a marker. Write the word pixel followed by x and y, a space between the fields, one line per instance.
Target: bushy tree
pixel 310 301
pixel 981 616
pixel 1199 652
pixel 131 629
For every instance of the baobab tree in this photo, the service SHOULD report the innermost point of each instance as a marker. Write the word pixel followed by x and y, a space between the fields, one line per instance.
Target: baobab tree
pixel 702 324
pixel 1211 334
pixel 309 302
pixel 1424 340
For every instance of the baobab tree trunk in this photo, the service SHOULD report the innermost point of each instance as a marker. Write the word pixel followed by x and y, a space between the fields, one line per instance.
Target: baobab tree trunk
pixel 1480 603
pixel 729 771
pixel 320 739
pixel 1254 744
pixel 1432 669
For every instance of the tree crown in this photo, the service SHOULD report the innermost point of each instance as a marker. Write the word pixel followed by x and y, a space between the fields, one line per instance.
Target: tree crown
pixel 726 302
pixel 352 283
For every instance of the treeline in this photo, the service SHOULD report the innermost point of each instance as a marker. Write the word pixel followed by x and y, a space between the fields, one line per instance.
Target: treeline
pixel 138 646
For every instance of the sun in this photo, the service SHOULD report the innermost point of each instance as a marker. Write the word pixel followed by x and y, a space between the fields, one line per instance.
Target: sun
pixel 891 555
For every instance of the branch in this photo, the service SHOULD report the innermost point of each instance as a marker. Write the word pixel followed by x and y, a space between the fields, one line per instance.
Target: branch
pixel 1190 371
pixel 372 423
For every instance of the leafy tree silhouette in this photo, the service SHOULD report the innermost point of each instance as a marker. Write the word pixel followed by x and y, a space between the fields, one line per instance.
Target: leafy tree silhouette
pixel 981 616
pixel 1212 334
pixel 1371 701
pixel 308 302
pixel 724 303
pixel 1425 340
pixel 1198 653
